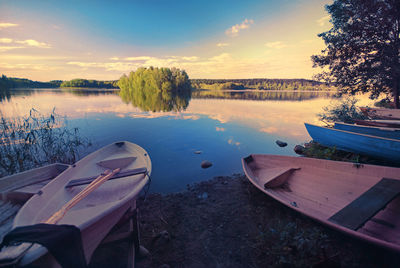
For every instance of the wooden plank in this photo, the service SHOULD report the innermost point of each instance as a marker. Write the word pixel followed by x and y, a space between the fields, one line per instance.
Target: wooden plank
pixel 367 205
pixel 122 174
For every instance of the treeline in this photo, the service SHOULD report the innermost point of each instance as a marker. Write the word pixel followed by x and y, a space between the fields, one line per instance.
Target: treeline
pixel 156 89
pixel 90 83
pixel 11 82
pixel 260 84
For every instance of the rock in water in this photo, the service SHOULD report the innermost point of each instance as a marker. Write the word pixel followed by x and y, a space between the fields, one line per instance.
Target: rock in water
pixel 281 143
pixel 206 164
pixel 298 149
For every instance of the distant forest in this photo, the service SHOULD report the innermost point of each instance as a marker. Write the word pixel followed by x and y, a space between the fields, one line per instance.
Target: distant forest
pixel 90 83
pixel 259 83
pixel 209 84
pixel 11 82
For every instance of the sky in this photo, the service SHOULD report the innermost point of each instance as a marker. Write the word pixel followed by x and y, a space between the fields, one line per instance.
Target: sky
pixel 226 39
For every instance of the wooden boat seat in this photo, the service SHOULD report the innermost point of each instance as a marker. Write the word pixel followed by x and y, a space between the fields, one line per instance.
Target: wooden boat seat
pixel 113 163
pixel 367 205
pixel 275 177
pixel 122 174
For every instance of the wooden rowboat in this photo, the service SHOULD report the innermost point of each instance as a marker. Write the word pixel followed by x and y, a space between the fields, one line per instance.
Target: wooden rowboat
pixel 390 133
pixel 374 146
pixel 360 200
pixel 381 113
pixel 379 123
pixel 100 210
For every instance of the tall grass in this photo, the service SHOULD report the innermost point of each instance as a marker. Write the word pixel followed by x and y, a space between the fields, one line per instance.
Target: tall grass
pixel 36 140
pixel 343 110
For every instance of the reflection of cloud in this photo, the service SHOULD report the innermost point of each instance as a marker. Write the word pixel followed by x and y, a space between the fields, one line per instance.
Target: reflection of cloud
pixel 269 130
pixel 322 21
pixel 277 45
pixel 219 129
pixel 7 25
pixel 234 30
pixel 231 141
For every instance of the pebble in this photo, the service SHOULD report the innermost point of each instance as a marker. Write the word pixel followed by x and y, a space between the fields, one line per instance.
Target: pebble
pixel 281 143
pixel 206 164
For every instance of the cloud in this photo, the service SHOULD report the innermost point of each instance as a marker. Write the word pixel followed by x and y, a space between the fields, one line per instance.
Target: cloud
pixel 192 58
pixel 234 30
pixel 141 58
pixel 7 25
pixel 322 21
pixel 222 44
pixel 277 45
pixel 6 40
pixel 6 48
pixel 33 43
pixel 114 58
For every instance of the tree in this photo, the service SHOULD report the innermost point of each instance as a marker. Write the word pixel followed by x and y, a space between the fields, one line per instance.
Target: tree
pixel 363 47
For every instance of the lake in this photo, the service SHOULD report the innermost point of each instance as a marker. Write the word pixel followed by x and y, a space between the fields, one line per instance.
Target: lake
pixel 224 126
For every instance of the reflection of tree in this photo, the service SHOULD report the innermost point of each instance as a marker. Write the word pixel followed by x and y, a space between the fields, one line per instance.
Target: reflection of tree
pixel 4 94
pixel 263 95
pixel 156 89
pixel 157 101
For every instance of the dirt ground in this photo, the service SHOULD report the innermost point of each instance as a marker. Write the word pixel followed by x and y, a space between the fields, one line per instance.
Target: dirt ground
pixel 227 222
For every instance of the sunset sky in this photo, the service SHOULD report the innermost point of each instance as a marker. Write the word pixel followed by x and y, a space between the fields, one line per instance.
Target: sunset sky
pixel 48 40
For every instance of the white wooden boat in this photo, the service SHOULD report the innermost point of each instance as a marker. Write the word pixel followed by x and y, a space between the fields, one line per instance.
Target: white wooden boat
pixel 98 212
pixel 360 200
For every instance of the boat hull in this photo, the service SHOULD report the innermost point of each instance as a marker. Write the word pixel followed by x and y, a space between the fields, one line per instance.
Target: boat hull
pixel 389 133
pixel 97 213
pixel 320 188
pixel 354 142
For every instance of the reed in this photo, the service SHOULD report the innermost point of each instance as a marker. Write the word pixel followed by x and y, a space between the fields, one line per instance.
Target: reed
pixel 36 140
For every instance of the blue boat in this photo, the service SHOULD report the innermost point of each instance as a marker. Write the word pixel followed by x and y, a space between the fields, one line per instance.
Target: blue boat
pixel 390 133
pixel 354 142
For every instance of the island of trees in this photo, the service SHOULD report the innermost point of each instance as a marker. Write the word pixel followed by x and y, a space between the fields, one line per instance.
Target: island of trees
pixel 156 89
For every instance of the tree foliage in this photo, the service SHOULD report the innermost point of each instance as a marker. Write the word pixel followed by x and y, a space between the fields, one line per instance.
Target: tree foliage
pixel 156 89
pixel 363 47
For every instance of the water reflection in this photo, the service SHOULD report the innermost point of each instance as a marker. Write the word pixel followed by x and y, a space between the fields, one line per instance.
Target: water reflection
pixel 223 129
pixel 156 100
pixel 278 95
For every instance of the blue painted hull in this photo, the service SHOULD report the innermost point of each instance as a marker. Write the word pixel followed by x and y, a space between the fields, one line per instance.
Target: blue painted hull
pixel 373 131
pixel 359 143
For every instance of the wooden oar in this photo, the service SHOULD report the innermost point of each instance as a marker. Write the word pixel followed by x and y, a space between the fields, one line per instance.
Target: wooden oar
pixel 85 192
pixel 12 254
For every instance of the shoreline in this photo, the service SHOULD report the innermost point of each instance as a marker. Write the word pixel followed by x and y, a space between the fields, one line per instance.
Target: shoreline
pixel 228 222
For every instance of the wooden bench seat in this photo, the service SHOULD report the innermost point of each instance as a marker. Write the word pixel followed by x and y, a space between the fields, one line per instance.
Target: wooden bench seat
pixel 367 205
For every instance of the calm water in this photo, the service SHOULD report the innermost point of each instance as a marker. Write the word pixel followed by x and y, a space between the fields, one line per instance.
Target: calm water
pixel 224 127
